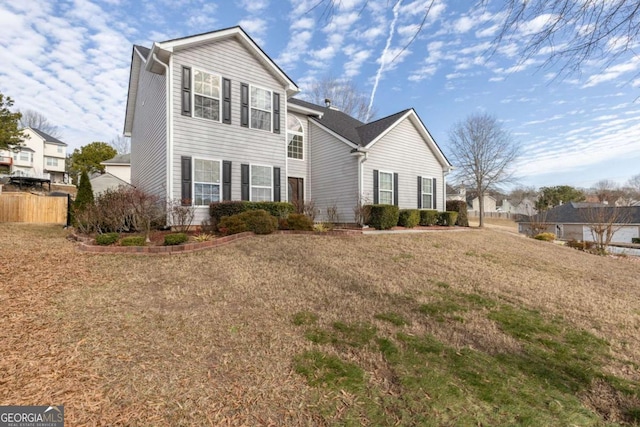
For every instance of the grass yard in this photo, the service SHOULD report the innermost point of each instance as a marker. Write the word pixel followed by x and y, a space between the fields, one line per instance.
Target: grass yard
pixel 479 327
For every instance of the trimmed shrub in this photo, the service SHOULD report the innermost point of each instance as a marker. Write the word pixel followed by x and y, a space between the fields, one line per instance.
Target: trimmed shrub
pixel 635 240
pixel 447 218
pixel 299 222
pixel 133 241
pixel 383 217
pixel 428 217
pixel 409 218
pixel 232 225
pixel 547 237
pixel 175 239
pixel 218 210
pixel 459 206
pixel 107 239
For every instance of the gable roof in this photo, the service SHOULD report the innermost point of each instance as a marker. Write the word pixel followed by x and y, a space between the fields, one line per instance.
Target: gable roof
pixel 165 48
pixel 120 159
pixel 105 181
pixel 574 213
pixel 48 138
pixel 365 135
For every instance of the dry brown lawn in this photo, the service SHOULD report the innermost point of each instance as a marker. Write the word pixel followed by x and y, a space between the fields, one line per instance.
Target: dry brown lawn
pixel 207 339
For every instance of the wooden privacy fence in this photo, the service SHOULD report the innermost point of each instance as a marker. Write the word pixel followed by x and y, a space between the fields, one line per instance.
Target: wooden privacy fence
pixel 25 207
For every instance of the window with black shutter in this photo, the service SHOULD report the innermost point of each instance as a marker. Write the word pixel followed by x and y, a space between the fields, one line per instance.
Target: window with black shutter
pixel 244 182
pixel 276 184
pixel 276 113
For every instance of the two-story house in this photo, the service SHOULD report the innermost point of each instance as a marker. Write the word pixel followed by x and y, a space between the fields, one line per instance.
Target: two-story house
pixel 211 117
pixel 40 156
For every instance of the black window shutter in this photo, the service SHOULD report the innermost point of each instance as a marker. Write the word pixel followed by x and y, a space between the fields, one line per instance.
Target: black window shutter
pixel 395 189
pixel 276 184
pixel 276 113
pixel 186 91
pixel 226 180
pixel 434 194
pixel 185 196
pixel 375 187
pixel 244 105
pixel 244 180
pixel 226 101
pixel 419 192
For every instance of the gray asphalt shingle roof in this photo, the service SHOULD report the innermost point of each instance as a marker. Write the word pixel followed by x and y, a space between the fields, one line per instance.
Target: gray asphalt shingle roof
pixel 119 160
pixel 348 127
pixel 576 213
pixel 143 50
pixel 48 138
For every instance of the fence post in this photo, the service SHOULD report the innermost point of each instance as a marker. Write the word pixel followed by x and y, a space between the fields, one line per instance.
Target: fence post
pixel 68 210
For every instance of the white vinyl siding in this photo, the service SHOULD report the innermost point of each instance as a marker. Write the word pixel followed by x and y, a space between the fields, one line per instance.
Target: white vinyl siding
pixel 206 181
pixel 404 151
pixel 217 140
pixel 261 183
pixel 51 161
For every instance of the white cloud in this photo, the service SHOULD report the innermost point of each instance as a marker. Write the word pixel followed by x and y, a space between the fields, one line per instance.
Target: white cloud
pixel 254 6
pixel 614 72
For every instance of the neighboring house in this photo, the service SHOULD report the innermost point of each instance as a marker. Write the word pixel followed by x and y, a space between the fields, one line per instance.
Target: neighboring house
pixel 454 193
pixel 570 221
pixel 106 181
pixel 41 156
pixel 119 166
pixel 525 207
pixel 489 204
pixel 211 117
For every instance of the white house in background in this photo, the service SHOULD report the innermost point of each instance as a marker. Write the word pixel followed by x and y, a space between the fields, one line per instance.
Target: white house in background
pixel 489 204
pixel 119 166
pixel 40 156
pixel 525 207
pixel 211 117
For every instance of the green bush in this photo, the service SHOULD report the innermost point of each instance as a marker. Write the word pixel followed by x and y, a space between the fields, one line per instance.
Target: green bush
pixel 447 218
pixel 428 217
pixel 635 240
pixel 547 237
pixel 232 225
pixel 383 217
pixel 258 221
pixel 175 239
pixel 459 206
pixel 409 218
pixel 299 222
pixel 218 210
pixel 133 241
pixel 107 239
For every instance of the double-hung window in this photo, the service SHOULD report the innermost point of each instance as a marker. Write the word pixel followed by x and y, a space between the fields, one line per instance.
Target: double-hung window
pixel 427 193
pixel 24 156
pixel 261 183
pixel 206 182
pixel 206 95
pixel 385 189
pixel 295 136
pixel 261 106
pixel 52 161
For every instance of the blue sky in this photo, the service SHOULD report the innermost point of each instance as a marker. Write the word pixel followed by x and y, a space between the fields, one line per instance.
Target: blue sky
pixel 70 61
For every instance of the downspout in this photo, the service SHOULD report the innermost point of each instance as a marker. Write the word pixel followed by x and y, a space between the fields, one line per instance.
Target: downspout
pixel 444 187
pixel 362 157
pixel 169 169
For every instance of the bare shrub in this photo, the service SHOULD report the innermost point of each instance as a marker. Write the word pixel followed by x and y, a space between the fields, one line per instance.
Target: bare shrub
pixel 182 214
pixel 361 211
pixel 208 226
pixel 309 209
pixel 147 208
pixel 333 216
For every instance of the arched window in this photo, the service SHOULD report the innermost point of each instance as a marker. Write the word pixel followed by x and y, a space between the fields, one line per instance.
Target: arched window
pixel 296 136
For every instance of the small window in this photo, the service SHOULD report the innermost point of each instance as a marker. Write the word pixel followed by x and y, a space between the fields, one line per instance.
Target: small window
pixel 60 149
pixel 385 188
pixel 296 138
pixel 206 95
pixel 52 161
pixel 24 156
pixel 206 182
pixel 427 193
pixel 261 105
pixel 261 183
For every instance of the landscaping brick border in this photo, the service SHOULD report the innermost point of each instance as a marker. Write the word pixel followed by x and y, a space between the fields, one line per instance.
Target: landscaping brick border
pixel 85 244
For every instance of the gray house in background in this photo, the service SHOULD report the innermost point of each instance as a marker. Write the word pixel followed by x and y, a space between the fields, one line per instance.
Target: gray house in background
pixel 570 221
pixel 211 117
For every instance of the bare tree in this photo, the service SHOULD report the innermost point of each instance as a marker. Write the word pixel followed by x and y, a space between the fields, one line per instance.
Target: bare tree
pixel 483 153
pixel 632 189
pixel 122 144
pixel 33 119
pixel 604 221
pixel 607 191
pixel 343 94
pixel 572 32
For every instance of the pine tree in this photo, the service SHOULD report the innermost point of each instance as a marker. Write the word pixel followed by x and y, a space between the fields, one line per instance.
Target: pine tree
pixel 85 193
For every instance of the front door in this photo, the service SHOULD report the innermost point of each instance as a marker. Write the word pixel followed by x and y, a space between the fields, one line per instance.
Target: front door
pixel 296 193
